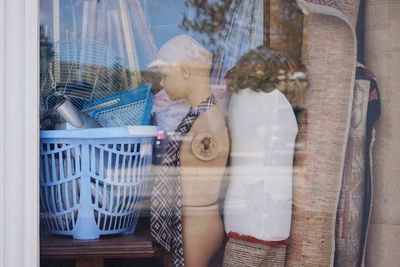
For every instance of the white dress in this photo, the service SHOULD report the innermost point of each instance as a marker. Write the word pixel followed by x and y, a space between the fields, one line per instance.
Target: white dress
pixel 262 129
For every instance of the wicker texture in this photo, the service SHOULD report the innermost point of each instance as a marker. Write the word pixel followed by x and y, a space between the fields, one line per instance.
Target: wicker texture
pixel 240 253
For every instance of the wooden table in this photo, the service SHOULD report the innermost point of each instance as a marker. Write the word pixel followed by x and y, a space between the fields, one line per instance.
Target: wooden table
pixel 91 253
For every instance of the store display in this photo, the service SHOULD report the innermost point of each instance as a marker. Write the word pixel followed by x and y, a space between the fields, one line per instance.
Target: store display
pixel 299 185
pixel 259 198
pixel 353 214
pixel 262 128
pixel 323 132
pixel 80 195
pixel 92 180
pixel 190 201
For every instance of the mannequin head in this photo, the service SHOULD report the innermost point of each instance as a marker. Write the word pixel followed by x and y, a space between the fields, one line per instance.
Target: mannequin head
pixel 175 79
pixel 185 67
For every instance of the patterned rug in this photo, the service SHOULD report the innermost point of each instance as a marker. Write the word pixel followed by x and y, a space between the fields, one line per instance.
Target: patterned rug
pixel 353 213
pixel 330 57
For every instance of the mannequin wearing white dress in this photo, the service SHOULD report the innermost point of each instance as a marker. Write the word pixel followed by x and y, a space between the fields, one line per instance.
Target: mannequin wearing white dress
pixel 263 129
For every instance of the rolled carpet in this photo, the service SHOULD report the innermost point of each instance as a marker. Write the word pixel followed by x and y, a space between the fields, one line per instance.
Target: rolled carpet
pixel 330 57
pixel 353 213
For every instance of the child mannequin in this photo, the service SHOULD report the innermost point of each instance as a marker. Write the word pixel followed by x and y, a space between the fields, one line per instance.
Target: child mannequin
pixel 185 67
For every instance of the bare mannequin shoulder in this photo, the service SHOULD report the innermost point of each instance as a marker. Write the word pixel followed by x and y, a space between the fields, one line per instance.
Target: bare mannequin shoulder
pixel 212 121
pixel 212 126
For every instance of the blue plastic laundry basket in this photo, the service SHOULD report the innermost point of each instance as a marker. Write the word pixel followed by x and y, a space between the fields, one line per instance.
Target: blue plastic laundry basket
pixel 92 181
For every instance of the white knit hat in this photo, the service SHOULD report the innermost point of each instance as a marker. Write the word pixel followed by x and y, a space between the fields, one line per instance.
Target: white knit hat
pixel 182 49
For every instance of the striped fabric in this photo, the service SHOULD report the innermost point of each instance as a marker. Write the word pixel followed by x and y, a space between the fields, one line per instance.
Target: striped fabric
pixel 166 222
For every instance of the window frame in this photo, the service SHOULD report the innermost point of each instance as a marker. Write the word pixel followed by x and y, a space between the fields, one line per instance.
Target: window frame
pixel 19 127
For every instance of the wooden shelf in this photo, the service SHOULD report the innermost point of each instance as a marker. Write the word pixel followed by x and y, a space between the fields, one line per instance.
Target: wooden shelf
pixel 92 252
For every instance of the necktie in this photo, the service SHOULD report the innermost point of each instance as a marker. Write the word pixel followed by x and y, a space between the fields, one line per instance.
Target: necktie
pixel 166 222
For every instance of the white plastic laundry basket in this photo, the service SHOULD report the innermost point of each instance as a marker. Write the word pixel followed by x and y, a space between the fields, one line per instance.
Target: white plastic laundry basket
pixel 92 181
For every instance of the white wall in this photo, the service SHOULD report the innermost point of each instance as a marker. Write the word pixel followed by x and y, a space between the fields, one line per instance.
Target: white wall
pixel 19 238
pixel 1 133
pixel 382 55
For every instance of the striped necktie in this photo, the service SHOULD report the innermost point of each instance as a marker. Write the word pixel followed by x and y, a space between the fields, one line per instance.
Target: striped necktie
pixel 166 222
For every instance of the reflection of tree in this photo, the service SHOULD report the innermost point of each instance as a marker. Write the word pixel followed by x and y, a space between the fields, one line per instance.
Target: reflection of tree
pixel 286 27
pixel 210 19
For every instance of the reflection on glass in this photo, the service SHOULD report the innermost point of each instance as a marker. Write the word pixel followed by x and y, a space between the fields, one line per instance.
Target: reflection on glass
pixel 98 55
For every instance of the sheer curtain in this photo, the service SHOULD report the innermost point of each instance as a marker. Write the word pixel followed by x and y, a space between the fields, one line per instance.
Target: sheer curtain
pixel 245 31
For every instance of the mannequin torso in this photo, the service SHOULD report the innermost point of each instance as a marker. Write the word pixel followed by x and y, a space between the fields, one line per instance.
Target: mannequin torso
pixel 203 152
pixel 202 225
pixel 201 178
pixel 263 130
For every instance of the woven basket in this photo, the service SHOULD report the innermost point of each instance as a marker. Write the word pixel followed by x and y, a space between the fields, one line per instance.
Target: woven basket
pixel 240 253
